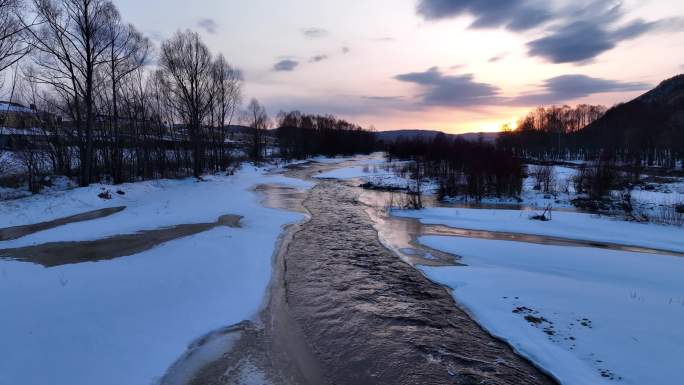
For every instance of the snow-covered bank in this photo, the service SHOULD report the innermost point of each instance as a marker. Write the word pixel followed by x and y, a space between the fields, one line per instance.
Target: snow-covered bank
pixel 125 321
pixel 379 173
pixel 587 316
pixel 564 224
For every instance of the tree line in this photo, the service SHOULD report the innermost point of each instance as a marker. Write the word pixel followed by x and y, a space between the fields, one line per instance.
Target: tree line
pixel 302 135
pixel 550 133
pixel 109 105
pixel 636 134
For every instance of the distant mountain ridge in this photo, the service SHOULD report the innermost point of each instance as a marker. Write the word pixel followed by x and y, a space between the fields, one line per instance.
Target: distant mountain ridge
pixel 393 135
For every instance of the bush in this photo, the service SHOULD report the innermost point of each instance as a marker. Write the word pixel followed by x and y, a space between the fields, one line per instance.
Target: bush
pixel 597 179
pixel 544 178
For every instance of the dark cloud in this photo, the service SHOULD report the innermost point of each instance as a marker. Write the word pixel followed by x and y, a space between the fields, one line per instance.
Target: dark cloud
pixel 584 40
pixel 318 58
pixel 285 65
pixel 315 33
pixel 516 15
pixel 345 50
pixel 463 91
pixel 569 87
pixel 451 90
pixel 574 33
pixel 577 42
pixel 207 24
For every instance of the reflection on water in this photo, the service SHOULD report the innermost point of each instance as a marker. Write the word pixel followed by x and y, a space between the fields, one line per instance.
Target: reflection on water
pixel 441 230
pixel 282 197
pixel 400 234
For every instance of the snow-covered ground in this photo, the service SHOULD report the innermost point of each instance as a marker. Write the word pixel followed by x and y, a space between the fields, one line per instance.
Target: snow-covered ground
pixel 386 175
pixel 647 198
pixel 125 321
pixel 586 315
pixel 653 195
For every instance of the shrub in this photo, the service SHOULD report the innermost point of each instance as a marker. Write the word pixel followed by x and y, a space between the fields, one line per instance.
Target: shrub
pixel 544 178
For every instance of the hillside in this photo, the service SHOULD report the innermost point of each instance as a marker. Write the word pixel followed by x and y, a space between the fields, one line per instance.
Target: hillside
pixel 653 120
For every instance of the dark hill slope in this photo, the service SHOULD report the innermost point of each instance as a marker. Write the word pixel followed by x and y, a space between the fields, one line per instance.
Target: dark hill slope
pixel 654 120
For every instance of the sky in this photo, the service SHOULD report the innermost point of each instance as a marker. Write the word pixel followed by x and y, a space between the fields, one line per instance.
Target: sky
pixel 450 65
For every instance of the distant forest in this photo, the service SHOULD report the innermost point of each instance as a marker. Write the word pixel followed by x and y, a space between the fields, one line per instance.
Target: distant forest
pixel 647 131
pixel 302 136
pixel 471 168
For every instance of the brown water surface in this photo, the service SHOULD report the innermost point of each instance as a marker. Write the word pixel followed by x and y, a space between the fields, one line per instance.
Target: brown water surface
pixel 63 253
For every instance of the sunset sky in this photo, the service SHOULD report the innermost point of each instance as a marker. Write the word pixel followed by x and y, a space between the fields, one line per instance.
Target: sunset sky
pixel 457 66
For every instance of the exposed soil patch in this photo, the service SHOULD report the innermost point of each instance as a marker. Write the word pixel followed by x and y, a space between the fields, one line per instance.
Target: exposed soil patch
pixel 63 253
pixel 10 233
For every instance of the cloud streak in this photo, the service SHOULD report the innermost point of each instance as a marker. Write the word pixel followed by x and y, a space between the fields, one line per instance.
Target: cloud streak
pixel 315 33
pixel 318 58
pixel 285 65
pixel 497 58
pixel 564 88
pixel 442 90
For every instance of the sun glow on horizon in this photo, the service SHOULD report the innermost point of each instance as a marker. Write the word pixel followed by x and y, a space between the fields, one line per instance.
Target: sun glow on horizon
pixel 497 125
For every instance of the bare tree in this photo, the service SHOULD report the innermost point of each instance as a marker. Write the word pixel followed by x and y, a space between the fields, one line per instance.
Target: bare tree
pixel 256 118
pixel 186 68
pixel 13 46
pixel 544 178
pixel 128 51
pixel 31 158
pixel 226 99
pixel 71 43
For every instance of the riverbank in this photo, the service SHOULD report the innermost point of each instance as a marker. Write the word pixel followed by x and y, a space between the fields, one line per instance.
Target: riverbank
pixel 126 320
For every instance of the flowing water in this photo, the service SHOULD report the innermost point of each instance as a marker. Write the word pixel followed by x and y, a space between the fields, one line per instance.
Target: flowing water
pixel 372 318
